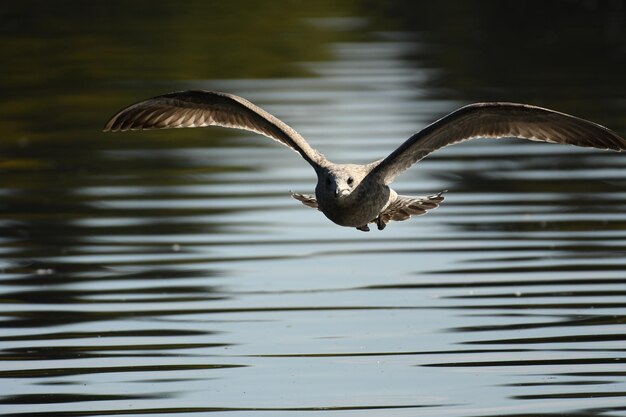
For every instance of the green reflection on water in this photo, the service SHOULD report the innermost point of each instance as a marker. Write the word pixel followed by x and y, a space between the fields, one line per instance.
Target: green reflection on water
pixel 67 61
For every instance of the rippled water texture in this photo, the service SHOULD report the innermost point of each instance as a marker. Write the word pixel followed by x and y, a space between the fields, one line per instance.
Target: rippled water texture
pixel 170 273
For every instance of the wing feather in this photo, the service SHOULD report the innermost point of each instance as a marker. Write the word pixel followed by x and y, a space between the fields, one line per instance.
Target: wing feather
pixel 196 108
pixel 403 207
pixel 497 120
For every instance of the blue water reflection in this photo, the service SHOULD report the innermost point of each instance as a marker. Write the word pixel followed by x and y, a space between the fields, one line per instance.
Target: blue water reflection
pixel 171 273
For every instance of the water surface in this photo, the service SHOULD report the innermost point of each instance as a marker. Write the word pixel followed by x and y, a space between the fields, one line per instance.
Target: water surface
pixel 170 273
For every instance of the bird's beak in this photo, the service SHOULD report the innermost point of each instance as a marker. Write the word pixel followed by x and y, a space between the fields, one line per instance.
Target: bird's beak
pixel 341 192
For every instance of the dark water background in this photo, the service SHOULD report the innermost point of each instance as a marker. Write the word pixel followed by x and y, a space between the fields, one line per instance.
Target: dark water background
pixel 170 273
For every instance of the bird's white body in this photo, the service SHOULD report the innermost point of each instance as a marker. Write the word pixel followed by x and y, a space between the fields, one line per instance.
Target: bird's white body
pixel 348 197
pixel 356 195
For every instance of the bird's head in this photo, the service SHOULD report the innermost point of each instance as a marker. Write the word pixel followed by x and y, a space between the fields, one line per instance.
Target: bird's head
pixel 339 181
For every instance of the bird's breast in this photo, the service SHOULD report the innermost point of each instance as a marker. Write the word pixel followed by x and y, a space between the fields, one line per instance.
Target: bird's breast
pixel 357 209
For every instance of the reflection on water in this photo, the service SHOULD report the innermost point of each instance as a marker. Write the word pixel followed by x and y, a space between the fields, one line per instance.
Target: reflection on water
pixel 171 273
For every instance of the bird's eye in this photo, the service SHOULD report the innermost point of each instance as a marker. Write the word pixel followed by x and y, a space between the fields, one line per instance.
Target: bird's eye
pixel 350 181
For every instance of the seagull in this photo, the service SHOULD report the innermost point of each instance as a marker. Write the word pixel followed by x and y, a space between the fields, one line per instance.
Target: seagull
pixel 357 195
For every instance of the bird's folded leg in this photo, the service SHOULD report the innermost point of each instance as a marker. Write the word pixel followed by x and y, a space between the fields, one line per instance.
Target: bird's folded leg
pixel 363 228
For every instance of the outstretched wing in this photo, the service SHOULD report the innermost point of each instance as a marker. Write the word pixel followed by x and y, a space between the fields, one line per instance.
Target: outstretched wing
pixel 497 120
pixel 198 108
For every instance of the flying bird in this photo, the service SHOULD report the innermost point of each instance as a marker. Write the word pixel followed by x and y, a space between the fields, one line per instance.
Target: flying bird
pixel 358 195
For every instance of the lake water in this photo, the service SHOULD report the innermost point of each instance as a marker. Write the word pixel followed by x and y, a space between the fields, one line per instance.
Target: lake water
pixel 171 273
